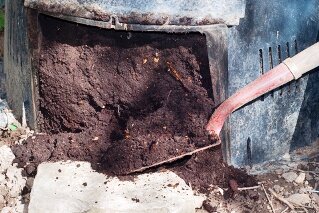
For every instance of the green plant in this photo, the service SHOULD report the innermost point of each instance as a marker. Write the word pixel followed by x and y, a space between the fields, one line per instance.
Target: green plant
pixel 2 15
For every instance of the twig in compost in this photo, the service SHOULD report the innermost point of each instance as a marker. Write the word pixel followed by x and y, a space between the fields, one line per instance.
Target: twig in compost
pixel 173 159
pixel 167 98
pixel 283 211
pixel 248 188
pixel 280 198
pixel 176 74
pixel 270 203
pixel 173 71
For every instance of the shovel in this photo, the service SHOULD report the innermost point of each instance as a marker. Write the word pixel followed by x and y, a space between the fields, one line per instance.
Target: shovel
pixel 290 69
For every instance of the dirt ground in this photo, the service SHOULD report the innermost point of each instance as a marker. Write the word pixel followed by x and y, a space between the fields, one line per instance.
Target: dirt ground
pixel 226 194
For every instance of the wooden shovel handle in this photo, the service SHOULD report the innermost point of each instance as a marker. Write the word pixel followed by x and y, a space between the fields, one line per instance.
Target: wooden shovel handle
pixel 304 61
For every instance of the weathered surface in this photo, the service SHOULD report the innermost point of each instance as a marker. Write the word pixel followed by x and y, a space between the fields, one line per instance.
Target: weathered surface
pixel 75 187
pixel 17 62
pixel 11 182
pixel 287 118
pixel 157 12
pixel 2 81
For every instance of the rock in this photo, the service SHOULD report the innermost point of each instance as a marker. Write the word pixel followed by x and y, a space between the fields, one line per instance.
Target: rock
pixel 6 210
pixel 15 182
pixel 2 202
pixel 299 199
pixel 302 190
pixel 309 176
pixel 30 169
pixel 81 189
pixel 3 190
pixel 2 177
pixel 6 158
pixel 29 183
pixel 277 188
pixel 301 178
pixel 11 182
pixel 253 195
pixel 290 176
pixel 233 185
pixel 278 171
pixel 315 197
pixel 286 157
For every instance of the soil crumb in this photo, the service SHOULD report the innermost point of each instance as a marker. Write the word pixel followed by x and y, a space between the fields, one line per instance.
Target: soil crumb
pixel 123 100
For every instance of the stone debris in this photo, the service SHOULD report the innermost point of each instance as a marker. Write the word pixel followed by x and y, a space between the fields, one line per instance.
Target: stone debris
pixel 75 187
pixel 299 199
pixel 301 178
pixel 290 176
pixel 11 183
pixel 277 188
pixel 309 176
pixel 315 198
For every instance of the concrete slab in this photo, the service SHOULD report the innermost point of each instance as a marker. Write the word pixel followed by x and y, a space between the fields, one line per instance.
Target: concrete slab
pixel 75 187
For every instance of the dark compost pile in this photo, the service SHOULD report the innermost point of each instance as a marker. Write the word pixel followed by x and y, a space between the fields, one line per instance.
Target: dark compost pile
pixel 123 100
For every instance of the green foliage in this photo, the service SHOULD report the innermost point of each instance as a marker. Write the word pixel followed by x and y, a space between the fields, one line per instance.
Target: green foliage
pixel 2 15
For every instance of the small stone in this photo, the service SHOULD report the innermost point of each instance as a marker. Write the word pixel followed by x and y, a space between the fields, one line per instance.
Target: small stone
pixel 315 197
pixel 286 157
pixel 309 176
pixel 2 202
pixel 10 201
pixel 30 169
pixel 301 178
pixel 2 177
pixel 2 199
pixel 253 195
pixel 277 188
pixel 299 199
pixel 290 176
pixel 233 185
pixel 26 198
pixel 29 183
pixel 302 190
pixel 3 190
pixel 278 171
pixel 286 194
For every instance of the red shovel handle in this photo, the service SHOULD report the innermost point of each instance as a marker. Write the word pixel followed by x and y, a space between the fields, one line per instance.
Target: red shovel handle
pixel 291 68
pixel 265 83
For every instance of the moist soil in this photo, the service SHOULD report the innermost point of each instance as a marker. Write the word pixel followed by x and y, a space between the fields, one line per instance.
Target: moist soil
pixel 124 100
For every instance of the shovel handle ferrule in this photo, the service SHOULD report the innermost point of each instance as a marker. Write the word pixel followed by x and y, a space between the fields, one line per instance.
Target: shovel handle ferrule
pixel 304 61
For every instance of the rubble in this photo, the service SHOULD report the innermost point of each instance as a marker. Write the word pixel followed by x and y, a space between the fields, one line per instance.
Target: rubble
pixel 299 199
pixel 301 178
pixel 11 183
pixel 289 176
